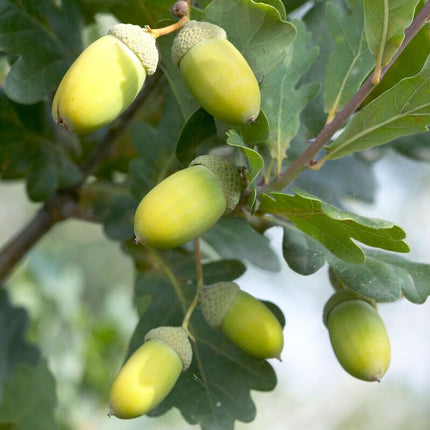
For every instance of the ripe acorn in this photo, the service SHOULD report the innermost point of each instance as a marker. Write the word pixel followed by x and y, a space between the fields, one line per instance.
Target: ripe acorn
pixel 357 335
pixel 150 373
pixel 105 79
pixel 187 203
pixel 246 321
pixel 216 73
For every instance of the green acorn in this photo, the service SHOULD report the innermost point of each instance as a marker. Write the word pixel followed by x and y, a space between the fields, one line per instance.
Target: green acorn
pixel 216 73
pixel 105 79
pixel 187 203
pixel 246 321
pixel 150 373
pixel 357 335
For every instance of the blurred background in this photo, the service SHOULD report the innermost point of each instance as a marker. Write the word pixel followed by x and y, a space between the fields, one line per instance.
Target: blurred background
pixel 77 287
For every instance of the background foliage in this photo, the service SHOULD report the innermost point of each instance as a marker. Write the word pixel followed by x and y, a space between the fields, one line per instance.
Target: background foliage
pixel 311 59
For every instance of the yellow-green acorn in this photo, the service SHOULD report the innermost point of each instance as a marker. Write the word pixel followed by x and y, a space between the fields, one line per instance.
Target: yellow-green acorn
pixel 150 373
pixel 216 73
pixel 105 79
pixel 246 321
pixel 187 203
pixel 357 335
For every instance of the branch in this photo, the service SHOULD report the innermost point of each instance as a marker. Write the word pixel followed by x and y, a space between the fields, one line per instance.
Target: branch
pixel 308 156
pixel 64 203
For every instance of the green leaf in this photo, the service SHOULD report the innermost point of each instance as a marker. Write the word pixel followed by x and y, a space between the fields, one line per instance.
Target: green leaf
pixel 303 254
pixel 46 37
pixel 277 4
pixel 282 101
pixel 215 391
pixel 251 26
pixel 333 227
pixel 402 110
pixel 385 22
pixel 256 132
pixel 198 128
pixel 415 146
pixel 234 237
pixel 27 149
pixel 14 349
pixel 29 399
pixel 350 61
pixel 156 149
pixel 385 277
pixel 255 160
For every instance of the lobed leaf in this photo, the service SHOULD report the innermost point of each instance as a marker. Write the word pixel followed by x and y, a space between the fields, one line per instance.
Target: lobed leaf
pixel 282 101
pixel 215 391
pixel 232 237
pixel 385 22
pixel 402 110
pixel 45 35
pixel 334 228
pixel 250 26
pixel 255 160
pixel 29 399
pixel 350 60
pixel 385 277
pixel 27 149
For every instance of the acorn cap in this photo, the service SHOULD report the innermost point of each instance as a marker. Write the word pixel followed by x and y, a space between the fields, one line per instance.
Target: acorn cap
pixel 192 33
pixel 227 174
pixel 140 41
pixel 177 339
pixel 215 300
pixel 342 296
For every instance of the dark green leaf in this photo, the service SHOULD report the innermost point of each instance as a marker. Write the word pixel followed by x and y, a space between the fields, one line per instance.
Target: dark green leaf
pixel 333 227
pixel 234 238
pixel 402 110
pixel 303 254
pixel 350 61
pixel 282 101
pixel 14 349
pixel 198 128
pixel 220 378
pixel 415 146
pixel 250 27
pixel 385 277
pixel 46 37
pixel 385 23
pixel 256 132
pixel 29 399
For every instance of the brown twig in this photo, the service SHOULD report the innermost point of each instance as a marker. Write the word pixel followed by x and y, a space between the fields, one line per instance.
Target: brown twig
pixel 306 158
pixel 64 203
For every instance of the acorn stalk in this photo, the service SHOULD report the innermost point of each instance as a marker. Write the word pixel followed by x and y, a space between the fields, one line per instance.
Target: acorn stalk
pixel 105 79
pixel 246 321
pixel 216 73
pixel 150 373
pixel 187 203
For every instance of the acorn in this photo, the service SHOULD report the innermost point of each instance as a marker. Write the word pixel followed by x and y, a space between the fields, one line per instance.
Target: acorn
pixel 187 203
pixel 358 335
pixel 216 73
pixel 246 321
pixel 105 79
pixel 150 373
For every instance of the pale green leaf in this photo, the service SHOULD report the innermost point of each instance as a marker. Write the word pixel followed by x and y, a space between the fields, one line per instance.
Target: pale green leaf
pixel 385 22
pixel 251 26
pixel 282 101
pixel 402 110
pixel 255 160
pixel 350 61
pixel 385 277
pixel 335 228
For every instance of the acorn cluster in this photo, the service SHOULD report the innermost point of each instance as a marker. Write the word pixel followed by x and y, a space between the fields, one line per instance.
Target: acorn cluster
pixel 100 85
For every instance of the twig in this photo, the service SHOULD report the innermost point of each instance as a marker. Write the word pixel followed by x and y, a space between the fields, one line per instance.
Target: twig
pixel 306 158
pixel 64 203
